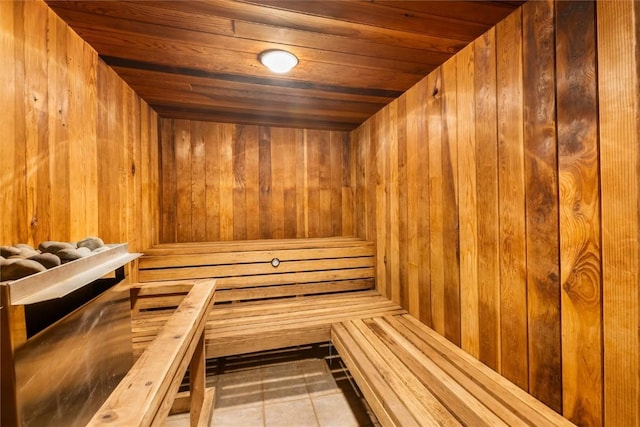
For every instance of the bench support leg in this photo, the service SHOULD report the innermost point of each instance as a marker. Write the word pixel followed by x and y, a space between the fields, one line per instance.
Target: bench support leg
pixel 197 381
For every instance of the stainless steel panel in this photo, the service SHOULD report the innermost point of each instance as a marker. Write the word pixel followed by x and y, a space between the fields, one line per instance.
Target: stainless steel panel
pixel 66 372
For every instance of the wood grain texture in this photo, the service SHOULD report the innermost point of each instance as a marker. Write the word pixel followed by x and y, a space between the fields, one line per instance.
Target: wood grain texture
pixel 72 156
pixel 513 280
pixel 487 200
pixel 468 209
pixel 619 126
pixel 537 219
pixel 580 257
pixel 541 181
pixel 234 182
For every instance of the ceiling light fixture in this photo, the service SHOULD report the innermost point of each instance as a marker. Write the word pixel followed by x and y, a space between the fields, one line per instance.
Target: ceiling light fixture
pixel 278 61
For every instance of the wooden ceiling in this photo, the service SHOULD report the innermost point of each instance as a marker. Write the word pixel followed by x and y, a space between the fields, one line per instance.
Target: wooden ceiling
pixel 199 59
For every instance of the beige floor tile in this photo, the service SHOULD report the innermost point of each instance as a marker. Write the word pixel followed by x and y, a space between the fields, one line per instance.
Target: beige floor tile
pixel 294 413
pixel 238 389
pixel 334 411
pixel 283 382
pixel 248 416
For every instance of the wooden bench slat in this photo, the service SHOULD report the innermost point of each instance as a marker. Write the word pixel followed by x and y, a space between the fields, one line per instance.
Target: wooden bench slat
pixel 305 289
pixel 262 268
pixel 517 400
pixel 415 396
pixel 249 245
pixel 386 404
pixel 253 256
pixel 270 278
pixel 403 347
pixel 454 396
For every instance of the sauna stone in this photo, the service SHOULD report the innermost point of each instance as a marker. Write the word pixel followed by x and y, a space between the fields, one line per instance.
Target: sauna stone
pixel 19 268
pixel 90 242
pixel 23 247
pixel 47 260
pixel 53 247
pixel 8 251
pixel 67 255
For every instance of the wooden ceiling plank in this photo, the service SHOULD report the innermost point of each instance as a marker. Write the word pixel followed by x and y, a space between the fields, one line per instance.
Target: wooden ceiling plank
pixel 484 12
pixel 255 38
pixel 382 16
pixel 218 59
pixel 241 11
pixel 141 12
pixel 261 118
pixel 181 82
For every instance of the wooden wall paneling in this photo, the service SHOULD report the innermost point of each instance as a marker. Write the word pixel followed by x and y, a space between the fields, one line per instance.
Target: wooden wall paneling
pixel 90 151
pixel 182 140
pixel 379 144
pixel 409 201
pixel 580 258
pixel 619 110
pixel 436 207
pixel 279 160
pixel 468 209
pixel 212 180
pixel 487 200
pixel 393 209
pixel 8 49
pixel 168 183
pixel 132 207
pixel 302 201
pixel 421 90
pixel 313 143
pixel 347 191
pixel 198 182
pixel 73 139
pixel 226 140
pixel 74 84
pixel 155 177
pixel 18 202
pixel 451 243
pixel 58 131
pixel 240 207
pixel 541 181
pixel 290 186
pixel 252 179
pixel 144 170
pixel 512 201
pixel 36 122
pixel 106 91
pixel 336 152
pixel 402 191
pixel 324 174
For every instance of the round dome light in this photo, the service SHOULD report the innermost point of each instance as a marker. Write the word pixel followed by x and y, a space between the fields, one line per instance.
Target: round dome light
pixel 278 61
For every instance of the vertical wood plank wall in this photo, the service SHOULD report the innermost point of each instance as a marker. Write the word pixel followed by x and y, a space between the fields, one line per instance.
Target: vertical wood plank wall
pixel 237 182
pixel 79 150
pixel 502 192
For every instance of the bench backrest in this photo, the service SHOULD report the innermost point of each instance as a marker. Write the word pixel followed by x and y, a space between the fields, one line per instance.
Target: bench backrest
pixel 145 395
pixel 261 269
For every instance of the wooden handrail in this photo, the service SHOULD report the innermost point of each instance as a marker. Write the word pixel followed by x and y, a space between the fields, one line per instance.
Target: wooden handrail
pixel 145 395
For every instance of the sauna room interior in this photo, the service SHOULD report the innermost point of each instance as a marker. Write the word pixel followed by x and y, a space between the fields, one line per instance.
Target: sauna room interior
pixel 437 209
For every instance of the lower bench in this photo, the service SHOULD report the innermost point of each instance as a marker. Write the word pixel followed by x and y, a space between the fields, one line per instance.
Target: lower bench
pixel 411 376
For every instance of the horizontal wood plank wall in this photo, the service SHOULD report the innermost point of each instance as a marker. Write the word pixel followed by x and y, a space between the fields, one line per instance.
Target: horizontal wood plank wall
pixel 517 187
pixel 79 154
pixel 225 181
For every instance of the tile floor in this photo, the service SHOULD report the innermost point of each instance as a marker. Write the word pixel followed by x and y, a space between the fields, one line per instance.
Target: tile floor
pixel 301 393
pixel 308 387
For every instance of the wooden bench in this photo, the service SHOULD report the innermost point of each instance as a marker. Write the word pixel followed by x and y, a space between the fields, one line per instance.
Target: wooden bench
pixel 411 376
pixel 262 304
pixel 146 394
